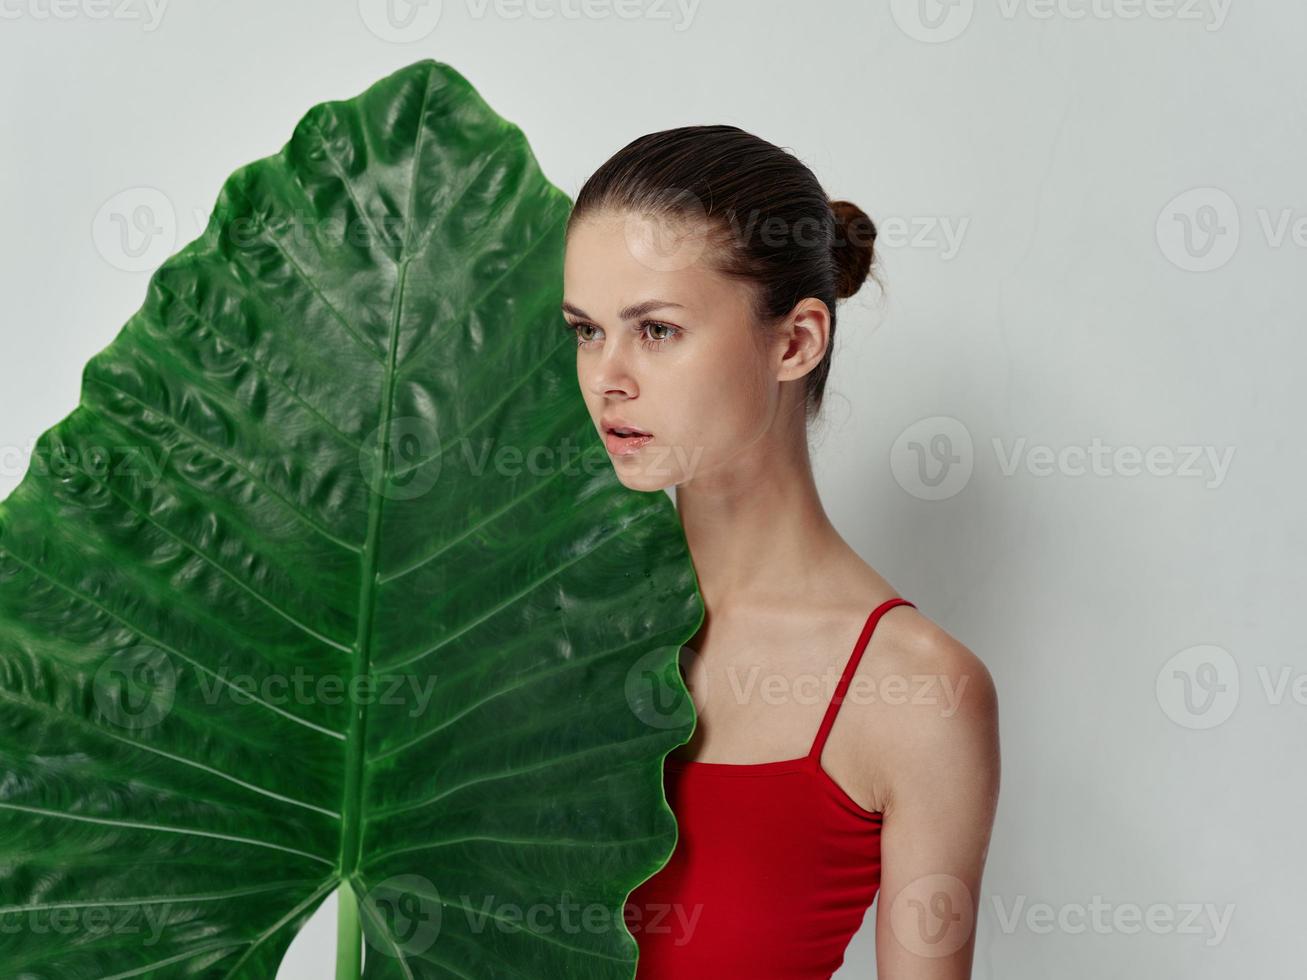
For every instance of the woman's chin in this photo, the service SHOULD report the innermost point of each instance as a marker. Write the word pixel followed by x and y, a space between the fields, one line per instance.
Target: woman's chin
pixel 633 479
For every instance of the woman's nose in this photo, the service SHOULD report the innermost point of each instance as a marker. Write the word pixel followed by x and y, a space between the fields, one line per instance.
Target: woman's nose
pixel 613 373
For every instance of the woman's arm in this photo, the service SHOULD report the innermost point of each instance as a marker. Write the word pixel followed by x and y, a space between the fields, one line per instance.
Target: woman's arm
pixel 941 793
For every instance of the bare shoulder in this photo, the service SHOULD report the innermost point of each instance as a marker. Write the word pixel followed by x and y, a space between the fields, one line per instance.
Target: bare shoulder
pixel 935 719
pixel 906 643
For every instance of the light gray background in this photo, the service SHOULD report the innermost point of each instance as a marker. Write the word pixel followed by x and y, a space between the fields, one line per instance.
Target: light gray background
pixel 1094 231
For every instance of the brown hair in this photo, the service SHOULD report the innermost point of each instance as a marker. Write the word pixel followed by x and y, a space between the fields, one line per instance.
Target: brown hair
pixel 771 223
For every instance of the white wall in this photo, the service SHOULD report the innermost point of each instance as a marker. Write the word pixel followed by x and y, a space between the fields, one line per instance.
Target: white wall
pixel 1065 147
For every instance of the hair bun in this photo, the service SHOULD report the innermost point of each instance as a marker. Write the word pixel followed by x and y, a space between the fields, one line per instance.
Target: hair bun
pixel 854 247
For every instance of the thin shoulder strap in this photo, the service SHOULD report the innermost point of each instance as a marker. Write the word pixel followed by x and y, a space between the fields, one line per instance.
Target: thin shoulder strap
pixel 847 677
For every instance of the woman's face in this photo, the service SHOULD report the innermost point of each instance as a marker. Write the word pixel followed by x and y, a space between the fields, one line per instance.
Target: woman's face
pixel 667 346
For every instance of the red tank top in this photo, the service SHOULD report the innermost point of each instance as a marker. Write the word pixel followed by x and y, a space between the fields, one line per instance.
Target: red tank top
pixel 773 870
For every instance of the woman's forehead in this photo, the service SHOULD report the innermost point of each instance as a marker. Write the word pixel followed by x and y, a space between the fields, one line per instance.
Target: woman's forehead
pixel 603 275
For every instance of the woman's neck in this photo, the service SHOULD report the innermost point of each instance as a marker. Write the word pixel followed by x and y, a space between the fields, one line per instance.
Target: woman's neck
pixel 758 533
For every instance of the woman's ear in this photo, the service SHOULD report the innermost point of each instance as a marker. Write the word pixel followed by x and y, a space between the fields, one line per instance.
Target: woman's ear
pixel 806 334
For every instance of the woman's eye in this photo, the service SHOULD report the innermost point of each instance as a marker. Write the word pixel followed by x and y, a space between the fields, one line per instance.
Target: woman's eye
pixel 653 333
pixel 655 341
pixel 578 329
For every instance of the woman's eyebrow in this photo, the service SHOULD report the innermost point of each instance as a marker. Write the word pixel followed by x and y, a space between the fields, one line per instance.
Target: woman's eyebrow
pixel 630 312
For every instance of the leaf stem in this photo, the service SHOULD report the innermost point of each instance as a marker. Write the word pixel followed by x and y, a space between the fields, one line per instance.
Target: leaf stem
pixel 349 938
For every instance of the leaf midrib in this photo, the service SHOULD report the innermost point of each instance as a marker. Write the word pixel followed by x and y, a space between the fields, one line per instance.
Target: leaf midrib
pixel 352 804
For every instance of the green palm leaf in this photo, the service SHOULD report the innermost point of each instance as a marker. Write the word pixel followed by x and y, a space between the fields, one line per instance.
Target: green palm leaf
pixel 328 582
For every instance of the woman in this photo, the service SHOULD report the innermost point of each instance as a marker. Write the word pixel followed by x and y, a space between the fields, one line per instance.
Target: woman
pixel 702 270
